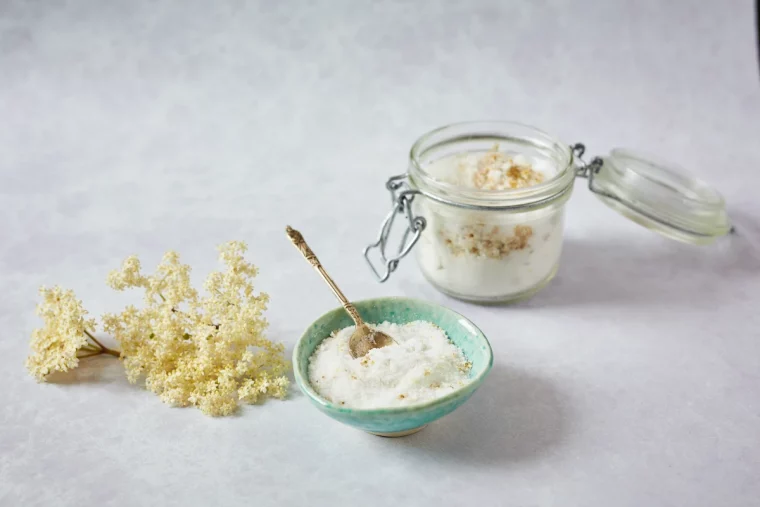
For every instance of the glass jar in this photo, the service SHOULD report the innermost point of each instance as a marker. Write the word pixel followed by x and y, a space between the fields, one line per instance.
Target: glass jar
pixel 502 244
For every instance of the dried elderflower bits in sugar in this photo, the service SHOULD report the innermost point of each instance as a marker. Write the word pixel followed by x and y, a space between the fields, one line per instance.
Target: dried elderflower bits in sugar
pixel 486 240
pixel 495 170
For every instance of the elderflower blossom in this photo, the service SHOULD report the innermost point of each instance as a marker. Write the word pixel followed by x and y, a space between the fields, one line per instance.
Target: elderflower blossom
pixel 55 345
pixel 208 352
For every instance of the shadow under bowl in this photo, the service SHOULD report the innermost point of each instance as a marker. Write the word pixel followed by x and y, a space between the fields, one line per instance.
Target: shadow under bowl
pixel 405 420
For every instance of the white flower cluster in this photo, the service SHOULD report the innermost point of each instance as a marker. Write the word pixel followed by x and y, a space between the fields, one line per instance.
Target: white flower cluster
pixel 209 352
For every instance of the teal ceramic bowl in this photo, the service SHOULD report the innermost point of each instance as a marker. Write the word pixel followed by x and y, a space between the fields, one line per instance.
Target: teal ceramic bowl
pixel 396 421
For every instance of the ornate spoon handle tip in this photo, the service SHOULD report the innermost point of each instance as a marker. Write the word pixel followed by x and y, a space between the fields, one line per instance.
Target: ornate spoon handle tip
pixel 300 243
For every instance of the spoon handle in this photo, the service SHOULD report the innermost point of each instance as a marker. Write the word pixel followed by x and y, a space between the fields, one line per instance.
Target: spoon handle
pixel 300 243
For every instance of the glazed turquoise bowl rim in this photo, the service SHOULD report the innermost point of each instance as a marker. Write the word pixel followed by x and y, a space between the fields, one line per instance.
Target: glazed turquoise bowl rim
pixel 306 388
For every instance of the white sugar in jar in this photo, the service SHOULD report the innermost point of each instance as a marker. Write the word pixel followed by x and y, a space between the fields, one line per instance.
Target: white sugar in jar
pixel 483 204
pixel 489 255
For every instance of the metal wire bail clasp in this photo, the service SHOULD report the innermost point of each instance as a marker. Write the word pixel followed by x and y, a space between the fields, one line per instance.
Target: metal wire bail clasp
pixel 586 169
pixel 589 170
pixel 402 197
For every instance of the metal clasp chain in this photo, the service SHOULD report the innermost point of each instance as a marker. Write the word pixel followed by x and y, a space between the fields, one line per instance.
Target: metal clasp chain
pixel 586 170
pixel 402 197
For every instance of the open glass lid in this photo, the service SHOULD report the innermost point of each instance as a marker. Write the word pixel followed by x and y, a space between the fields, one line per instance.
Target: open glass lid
pixel 656 195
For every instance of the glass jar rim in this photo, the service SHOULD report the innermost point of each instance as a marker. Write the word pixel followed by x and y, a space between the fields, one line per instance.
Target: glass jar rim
pixel 536 195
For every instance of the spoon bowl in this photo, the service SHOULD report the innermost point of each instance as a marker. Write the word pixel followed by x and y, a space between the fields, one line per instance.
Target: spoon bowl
pixel 364 339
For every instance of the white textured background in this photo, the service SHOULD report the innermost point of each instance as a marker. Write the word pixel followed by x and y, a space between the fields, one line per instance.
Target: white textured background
pixel 140 126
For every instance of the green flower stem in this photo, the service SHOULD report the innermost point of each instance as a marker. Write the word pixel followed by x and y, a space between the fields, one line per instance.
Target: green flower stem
pixel 90 354
pixel 103 349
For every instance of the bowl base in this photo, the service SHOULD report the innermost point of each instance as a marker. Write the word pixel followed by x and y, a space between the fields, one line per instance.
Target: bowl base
pixel 395 434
